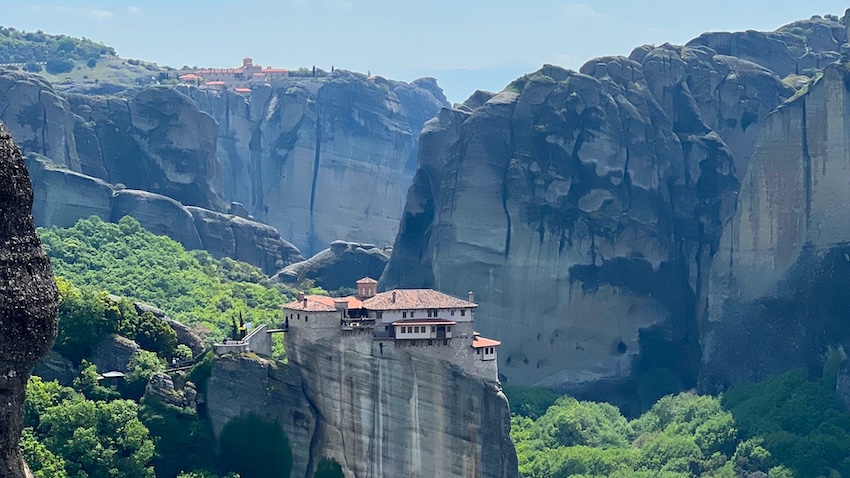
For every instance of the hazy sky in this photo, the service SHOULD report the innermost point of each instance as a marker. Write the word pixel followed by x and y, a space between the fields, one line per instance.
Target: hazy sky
pixel 400 39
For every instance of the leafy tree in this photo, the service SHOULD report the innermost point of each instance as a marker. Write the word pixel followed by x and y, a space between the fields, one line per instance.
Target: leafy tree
pixel 183 439
pixel 182 353
pixel 88 384
pixel 42 462
pixel 156 335
pixel 91 62
pixel 255 448
pixel 57 66
pixel 142 366
pixel 32 67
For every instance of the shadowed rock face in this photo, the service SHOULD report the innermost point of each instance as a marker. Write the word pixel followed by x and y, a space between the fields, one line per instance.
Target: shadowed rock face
pixel 340 265
pixel 27 301
pixel 323 159
pixel 584 209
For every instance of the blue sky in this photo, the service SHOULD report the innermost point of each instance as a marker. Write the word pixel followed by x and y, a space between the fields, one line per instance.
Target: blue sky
pixel 466 44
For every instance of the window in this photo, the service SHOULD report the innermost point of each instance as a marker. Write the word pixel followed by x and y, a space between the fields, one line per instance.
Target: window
pixel 463 312
pixel 478 351
pixel 299 316
pixel 404 315
pixel 306 317
pixel 433 328
pixel 412 314
pixel 430 312
pixel 449 328
pixel 418 329
pixel 453 312
pixel 379 314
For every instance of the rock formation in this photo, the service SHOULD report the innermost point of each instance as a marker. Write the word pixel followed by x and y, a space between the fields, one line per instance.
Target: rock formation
pixel 390 414
pixel 325 158
pixel 338 266
pixel 114 354
pixel 585 209
pixel 319 159
pixel 777 282
pixel 28 305
pixel 62 197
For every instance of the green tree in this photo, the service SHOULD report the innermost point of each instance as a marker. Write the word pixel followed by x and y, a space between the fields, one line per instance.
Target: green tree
pixel 156 335
pixel 140 369
pixel 88 384
pixel 42 462
pixel 255 448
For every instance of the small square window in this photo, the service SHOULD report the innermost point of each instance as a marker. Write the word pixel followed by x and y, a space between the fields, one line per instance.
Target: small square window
pixel 463 312
pixel 453 312
pixel 404 315
pixel 412 314
pixel 433 328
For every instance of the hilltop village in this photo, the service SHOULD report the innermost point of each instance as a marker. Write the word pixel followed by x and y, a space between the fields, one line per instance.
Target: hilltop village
pixel 424 322
pixel 239 80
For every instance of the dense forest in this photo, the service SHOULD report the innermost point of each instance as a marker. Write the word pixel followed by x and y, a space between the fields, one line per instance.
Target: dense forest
pixel 793 425
pixel 787 426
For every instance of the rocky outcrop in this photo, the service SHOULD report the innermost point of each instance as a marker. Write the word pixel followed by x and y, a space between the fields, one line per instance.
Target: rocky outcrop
pixel 377 413
pixel 284 152
pixel 56 367
pixel 185 335
pixel 28 305
pixel 776 297
pixel 584 209
pixel 245 385
pixel 322 159
pixel 62 197
pixel 161 388
pixel 793 48
pixel 114 354
pixel 340 265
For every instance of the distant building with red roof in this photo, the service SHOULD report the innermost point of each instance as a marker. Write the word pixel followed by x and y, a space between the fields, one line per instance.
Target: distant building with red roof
pixel 237 79
pixel 423 321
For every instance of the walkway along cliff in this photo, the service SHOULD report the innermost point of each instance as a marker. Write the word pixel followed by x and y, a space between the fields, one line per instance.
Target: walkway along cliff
pixel 387 384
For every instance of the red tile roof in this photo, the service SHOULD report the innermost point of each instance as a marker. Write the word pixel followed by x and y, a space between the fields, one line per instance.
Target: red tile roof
pixel 215 83
pixel 242 90
pixel 481 342
pixel 367 280
pixel 424 322
pixel 322 303
pixel 189 76
pixel 415 299
pixel 275 70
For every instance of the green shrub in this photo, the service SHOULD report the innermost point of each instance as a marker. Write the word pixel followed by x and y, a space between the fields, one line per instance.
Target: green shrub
pixel 329 468
pixel 255 448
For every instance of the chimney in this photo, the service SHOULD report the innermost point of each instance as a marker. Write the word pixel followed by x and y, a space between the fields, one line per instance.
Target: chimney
pixel 471 296
pixel 300 296
pixel 393 297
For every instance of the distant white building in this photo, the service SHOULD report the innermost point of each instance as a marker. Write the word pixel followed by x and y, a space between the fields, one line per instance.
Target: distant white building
pixel 236 79
pixel 424 320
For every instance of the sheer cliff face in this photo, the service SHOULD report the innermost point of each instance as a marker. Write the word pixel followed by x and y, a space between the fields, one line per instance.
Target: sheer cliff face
pixel 777 283
pixel 323 159
pixel 319 159
pixel 378 413
pixel 27 301
pixel 584 208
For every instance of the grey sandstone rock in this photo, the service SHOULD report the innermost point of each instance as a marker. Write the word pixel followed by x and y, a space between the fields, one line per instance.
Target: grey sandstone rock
pixel 114 354
pixel 584 208
pixel 340 265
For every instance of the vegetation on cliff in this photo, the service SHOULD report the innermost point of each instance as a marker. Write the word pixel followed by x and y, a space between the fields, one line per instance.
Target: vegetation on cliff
pixel 24 47
pixel 191 286
pixel 787 426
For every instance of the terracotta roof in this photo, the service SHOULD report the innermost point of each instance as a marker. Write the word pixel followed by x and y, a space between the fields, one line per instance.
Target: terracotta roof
pixel 367 280
pixel 424 322
pixel 322 303
pixel 189 76
pixel 415 299
pixel 275 70
pixel 481 342
pixel 215 83
pixel 242 90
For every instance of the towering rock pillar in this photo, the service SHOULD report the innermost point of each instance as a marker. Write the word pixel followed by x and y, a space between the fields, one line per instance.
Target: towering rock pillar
pixel 27 301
